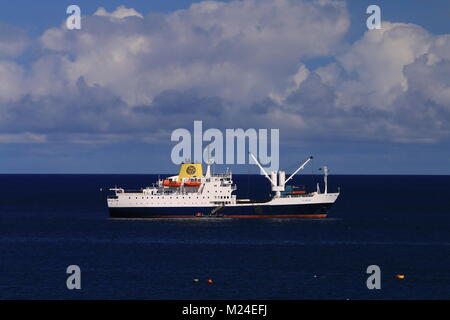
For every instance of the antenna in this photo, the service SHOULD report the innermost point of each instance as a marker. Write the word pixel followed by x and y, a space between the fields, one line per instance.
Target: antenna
pixel 209 162
pixel 325 177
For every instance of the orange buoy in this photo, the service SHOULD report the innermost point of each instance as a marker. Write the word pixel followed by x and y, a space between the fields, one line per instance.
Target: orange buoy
pixel 209 281
pixel 400 276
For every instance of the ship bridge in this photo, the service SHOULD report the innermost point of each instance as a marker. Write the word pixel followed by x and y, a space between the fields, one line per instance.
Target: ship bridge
pixel 189 188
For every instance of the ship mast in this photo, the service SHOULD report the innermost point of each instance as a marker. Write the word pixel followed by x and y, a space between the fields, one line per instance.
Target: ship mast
pixel 208 161
pixel 325 177
pixel 279 187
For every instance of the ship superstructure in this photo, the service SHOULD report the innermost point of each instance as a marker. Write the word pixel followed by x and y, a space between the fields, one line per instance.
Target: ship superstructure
pixel 192 194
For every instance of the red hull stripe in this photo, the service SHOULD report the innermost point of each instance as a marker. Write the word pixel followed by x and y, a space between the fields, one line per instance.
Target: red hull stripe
pixel 304 216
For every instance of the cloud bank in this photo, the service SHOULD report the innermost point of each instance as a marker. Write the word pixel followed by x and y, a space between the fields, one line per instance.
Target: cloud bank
pixel 235 64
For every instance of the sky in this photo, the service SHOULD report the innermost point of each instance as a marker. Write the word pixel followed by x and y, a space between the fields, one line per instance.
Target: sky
pixel 106 98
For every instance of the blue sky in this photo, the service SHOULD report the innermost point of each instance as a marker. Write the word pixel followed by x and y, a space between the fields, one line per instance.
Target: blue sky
pixel 106 98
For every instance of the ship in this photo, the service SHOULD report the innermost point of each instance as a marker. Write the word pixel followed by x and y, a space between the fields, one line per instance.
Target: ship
pixel 192 194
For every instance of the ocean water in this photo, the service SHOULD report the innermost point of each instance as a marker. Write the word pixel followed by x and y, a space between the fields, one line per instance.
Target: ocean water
pixel 400 223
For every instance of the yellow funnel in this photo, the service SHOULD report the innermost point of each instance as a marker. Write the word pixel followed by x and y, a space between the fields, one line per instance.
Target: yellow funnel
pixel 190 170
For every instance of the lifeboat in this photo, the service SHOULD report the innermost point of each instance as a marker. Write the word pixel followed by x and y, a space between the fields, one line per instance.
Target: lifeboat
pixel 170 183
pixel 192 183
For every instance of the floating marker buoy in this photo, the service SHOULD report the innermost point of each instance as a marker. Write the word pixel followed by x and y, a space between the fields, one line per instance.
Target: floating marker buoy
pixel 400 276
pixel 195 281
pixel 316 276
pixel 209 281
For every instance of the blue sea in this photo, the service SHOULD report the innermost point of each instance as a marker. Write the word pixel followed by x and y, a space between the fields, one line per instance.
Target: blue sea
pixel 400 223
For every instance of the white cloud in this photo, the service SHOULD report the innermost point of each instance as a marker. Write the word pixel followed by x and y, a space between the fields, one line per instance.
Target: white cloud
pixel 11 81
pixel 238 50
pixel 378 60
pixel 22 138
pixel 237 63
pixel 392 84
pixel 13 41
pixel 120 13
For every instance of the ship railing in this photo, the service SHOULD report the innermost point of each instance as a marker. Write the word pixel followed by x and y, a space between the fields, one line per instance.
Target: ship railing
pixel 222 175
pixel 297 195
pixel 133 191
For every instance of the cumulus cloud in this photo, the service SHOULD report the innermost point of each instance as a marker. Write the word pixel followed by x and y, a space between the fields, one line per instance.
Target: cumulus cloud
pixel 120 13
pixel 13 41
pixel 393 84
pixel 231 64
pixel 378 59
pixel 11 84
pixel 239 51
